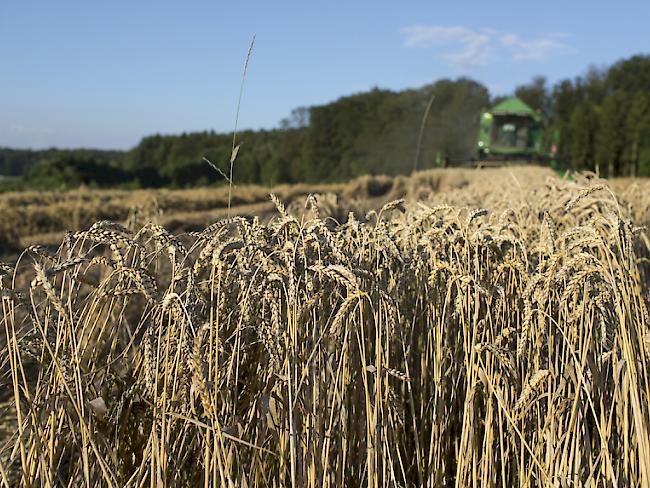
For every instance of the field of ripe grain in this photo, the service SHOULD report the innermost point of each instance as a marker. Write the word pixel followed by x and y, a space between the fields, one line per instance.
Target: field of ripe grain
pixel 43 218
pixel 488 328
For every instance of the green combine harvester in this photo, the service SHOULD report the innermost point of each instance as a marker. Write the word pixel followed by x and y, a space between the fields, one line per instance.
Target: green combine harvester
pixel 510 131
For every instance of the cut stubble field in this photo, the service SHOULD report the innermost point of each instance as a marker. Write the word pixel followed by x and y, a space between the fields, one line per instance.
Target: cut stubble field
pixel 452 328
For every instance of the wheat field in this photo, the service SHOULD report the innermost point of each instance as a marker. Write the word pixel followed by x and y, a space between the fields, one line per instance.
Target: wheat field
pixel 492 333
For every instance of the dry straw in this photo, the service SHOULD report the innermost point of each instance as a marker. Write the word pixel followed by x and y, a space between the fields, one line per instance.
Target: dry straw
pixel 419 347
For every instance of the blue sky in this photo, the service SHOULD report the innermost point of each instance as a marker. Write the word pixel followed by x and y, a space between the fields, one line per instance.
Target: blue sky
pixel 104 74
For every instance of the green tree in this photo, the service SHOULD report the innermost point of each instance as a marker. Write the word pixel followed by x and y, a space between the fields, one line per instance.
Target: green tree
pixel 583 127
pixel 535 94
pixel 611 136
pixel 637 129
pixel 71 170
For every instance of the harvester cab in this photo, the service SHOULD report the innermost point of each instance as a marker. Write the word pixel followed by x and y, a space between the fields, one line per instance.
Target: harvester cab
pixel 509 130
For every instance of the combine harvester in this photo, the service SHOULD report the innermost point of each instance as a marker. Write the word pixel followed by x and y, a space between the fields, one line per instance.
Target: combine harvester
pixel 511 133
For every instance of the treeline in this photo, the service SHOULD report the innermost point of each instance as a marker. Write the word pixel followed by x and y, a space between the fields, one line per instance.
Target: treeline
pixel 16 162
pixel 602 119
pixel 373 132
pixel 54 168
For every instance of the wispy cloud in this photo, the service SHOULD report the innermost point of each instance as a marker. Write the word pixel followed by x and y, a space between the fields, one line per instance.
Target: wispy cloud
pixel 533 50
pixel 468 48
pixel 462 46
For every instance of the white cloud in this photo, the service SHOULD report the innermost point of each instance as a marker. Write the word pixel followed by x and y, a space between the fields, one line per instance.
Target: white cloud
pixel 509 39
pixel 468 48
pixel 534 50
pixel 471 48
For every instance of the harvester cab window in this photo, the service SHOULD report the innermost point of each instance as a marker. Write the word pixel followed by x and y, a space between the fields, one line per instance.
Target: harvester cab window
pixel 513 134
pixel 508 135
pixel 522 136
